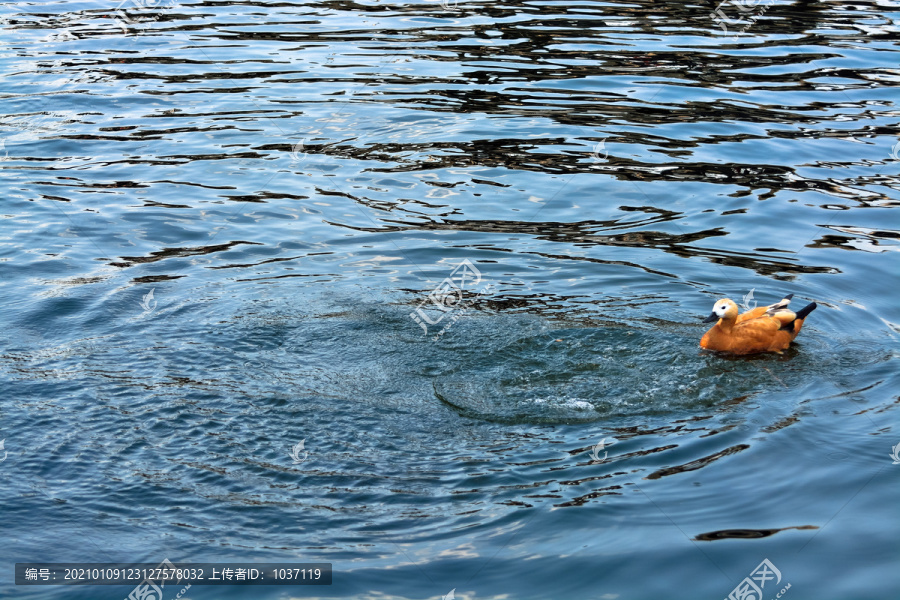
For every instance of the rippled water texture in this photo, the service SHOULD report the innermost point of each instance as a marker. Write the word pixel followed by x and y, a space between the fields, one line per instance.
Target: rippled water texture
pixel 460 250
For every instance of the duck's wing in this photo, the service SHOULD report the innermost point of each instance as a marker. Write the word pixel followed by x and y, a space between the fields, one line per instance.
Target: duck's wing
pixel 753 313
pixel 780 305
pixel 766 311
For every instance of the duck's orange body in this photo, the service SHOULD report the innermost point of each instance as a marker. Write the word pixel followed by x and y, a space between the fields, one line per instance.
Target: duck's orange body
pixel 762 329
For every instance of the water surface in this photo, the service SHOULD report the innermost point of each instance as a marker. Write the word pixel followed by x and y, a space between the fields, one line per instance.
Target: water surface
pixel 221 220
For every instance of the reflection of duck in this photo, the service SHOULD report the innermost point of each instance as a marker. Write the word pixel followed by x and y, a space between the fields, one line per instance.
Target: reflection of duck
pixel 763 329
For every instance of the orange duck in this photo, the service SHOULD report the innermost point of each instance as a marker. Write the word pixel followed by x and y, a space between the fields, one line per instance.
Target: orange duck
pixel 762 329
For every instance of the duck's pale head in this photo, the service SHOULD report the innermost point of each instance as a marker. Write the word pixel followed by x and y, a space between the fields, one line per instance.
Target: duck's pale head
pixel 722 309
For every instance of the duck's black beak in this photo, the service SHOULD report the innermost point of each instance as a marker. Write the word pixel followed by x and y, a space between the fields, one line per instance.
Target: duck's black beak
pixel 711 318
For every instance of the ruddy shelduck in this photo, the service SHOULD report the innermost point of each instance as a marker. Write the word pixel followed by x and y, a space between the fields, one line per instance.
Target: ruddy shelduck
pixel 762 329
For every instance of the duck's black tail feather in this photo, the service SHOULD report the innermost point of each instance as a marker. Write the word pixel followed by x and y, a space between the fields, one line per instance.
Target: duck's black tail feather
pixel 803 312
pixel 800 315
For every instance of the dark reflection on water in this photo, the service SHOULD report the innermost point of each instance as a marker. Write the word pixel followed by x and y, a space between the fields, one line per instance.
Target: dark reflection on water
pixel 582 234
pixel 218 218
pixel 744 534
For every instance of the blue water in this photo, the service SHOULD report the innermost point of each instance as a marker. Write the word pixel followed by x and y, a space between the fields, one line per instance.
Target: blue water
pixel 461 251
